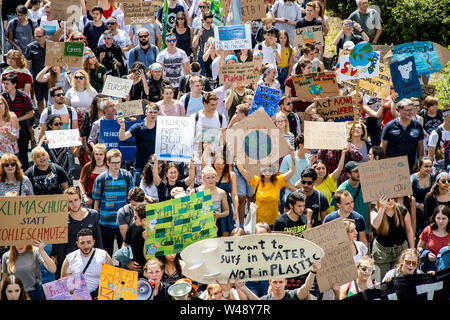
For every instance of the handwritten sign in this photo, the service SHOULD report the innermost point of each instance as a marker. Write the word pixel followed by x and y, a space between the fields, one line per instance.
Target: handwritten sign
pixel 337 266
pixel 249 258
pixel 63 138
pixel 335 108
pixel 252 10
pixel 130 108
pixel 325 135
pixel 378 87
pixel 24 219
pixel 174 138
pixel 72 287
pixel 309 35
pixel 404 78
pixel 267 98
pixel 383 49
pixel 140 12
pixel 212 135
pixel 347 71
pixel 117 87
pixel 389 177
pixel 55 55
pixel 109 135
pixel 247 72
pixel 117 283
pixel 233 37
pixel 313 85
pixel 66 10
pixel 175 224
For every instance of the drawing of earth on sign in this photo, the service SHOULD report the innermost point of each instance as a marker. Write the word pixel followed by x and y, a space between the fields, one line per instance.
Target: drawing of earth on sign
pixel 315 89
pixel 361 54
pixel 257 145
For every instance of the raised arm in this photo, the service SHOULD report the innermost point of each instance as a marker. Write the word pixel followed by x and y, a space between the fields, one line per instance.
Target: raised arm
pixel 293 168
pixel 336 173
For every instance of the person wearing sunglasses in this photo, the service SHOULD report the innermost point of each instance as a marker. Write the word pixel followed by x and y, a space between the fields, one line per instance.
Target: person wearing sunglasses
pixel 365 268
pixel 110 55
pixel 174 6
pixel 121 38
pixel 145 52
pixel 204 6
pixel 184 33
pixel 407 265
pixel 285 105
pixel 12 177
pixel 438 195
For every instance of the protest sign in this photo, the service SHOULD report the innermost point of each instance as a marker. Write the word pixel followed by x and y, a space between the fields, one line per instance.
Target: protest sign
pixel 267 98
pixel 247 72
pixel 117 87
pixel 378 87
pixel 130 108
pixel 109 135
pixel 249 258
pixel 24 219
pixel 212 135
pixel 56 54
pixel 338 266
pixel 255 141
pixel 404 78
pixel 325 135
pixel 91 3
pixel 233 37
pixel 383 49
pixel 72 287
pixel 63 138
pixel 117 283
pixel 174 138
pixel 361 63
pixel 335 108
pixel 388 177
pixel 140 12
pixel 428 90
pixel 173 225
pixel 252 10
pixel 309 35
pixel 66 10
pixel 312 85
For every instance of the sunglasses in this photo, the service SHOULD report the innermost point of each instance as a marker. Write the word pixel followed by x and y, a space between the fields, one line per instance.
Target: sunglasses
pixel 77 39
pixel 12 164
pixel 201 7
pixel 368 269
pixel 143 36
pixel 180 18
pixel 79 77
pixel 309 183
pixel 445 181
pixel 110 23
pixel 288 103
pixel 59 95
pixel 172 40
pixel 411 263
pixel 57 124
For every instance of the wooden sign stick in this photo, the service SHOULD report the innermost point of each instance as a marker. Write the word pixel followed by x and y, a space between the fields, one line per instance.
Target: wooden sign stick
pixel 355 108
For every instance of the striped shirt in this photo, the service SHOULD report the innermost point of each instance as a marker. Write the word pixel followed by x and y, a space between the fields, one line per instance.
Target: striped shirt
pixel 113 197
pixel 21 104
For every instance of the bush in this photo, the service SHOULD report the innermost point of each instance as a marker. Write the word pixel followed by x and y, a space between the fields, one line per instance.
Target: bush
pixel 443 86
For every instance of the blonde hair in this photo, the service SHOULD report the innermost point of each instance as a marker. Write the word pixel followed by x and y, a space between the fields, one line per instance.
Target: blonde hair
pixel 18 57
pixel 348 223
pixel 383 229
pixel 208 169
pixel 213 288
pixel 7 114
pixel 13 255
pixel 153 261
pixel 365 259
pixel 401 260
pixel 37 153
pixel 87 83
pixel 286 121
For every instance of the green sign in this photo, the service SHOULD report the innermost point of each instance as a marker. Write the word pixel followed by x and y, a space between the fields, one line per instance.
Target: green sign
pixel 74 49
pixel 174 224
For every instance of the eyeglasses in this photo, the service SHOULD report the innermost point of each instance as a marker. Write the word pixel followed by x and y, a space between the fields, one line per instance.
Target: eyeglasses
pixel 115 162
pixel 79 77
pixel 12 164
pixel 39 35
pixel 144 36
pixel 411 263
pixel 57 124
pixel 58 95
pixel 201 7
pixel 309 183
pixel 365 268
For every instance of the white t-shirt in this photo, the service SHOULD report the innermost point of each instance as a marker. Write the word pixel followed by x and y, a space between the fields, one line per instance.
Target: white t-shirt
pixel 81 100
pixel 211 122
pixel 444 144
pixel 50 27
pixel 173 65
pixel 269 53
pixel 150 191
pixel 220 93
pixel 63 112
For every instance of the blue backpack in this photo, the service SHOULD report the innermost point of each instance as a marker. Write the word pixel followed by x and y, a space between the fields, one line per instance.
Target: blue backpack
pixel 443 258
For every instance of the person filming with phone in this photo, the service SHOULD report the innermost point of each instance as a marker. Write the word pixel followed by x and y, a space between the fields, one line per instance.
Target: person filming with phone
pixel 347 34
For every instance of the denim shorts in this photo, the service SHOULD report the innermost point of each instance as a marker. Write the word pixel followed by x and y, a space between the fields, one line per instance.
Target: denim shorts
pixel 243 188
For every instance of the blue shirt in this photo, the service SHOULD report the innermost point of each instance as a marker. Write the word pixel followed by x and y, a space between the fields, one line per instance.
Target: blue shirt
pixel 145 143
pixel 147 58
pixel 359 220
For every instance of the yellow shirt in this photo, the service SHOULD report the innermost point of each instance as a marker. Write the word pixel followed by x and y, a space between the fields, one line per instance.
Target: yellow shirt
pixel 328 188
pixel 285 58
pixel 267 197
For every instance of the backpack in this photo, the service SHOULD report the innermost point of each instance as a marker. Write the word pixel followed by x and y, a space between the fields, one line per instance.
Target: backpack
pixel 126 177
pixel 186 100
pixel 16 23
pixel 69 109
pixel 220 118
pixel 136 52
pixel 443 258
pixel 186 81
pixel 439 154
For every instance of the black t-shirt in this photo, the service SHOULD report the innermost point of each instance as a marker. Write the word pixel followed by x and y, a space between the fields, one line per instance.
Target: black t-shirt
pixel 317 202
pixel 93 33
pixel 290 295
pixel 163 294
pixel 135 239
pixel 431 123
pixel 397 234
pixel 48 181
pixel 284 223
pixel 164 189
pixel 114 52
pixel 305 23
pixel 154 87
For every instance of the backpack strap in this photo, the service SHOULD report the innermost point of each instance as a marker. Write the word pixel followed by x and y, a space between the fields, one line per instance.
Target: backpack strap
pixel 186 101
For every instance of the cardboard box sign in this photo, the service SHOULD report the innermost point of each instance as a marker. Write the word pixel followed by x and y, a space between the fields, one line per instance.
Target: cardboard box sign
pixel 252 10
pixel 55 55
pixel 313 85
pixel 376 86
pixel 66 10
pixel 73 49
pixel 247 72
pixel 140 12
pixel 335 108
pixel 312 35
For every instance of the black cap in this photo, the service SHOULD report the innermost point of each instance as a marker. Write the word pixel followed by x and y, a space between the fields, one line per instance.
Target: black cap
pixel 351 166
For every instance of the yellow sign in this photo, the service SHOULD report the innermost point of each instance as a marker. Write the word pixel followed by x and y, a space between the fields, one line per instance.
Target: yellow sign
pixel 117 284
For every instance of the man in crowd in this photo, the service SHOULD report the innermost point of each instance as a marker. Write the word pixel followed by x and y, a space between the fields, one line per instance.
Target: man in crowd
pixel 95 28
pixel 201 36
pixel 369 20
pixel 20 30
pixel 295 219
pixel 192 100
pixel 145 52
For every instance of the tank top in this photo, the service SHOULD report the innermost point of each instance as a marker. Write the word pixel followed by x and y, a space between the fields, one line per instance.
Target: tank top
pixel 184 41
pixel 418 192
pixel 77 263
pixel 90 183
pixel 7 145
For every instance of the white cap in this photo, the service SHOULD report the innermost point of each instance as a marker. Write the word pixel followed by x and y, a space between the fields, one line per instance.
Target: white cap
pixel 348 45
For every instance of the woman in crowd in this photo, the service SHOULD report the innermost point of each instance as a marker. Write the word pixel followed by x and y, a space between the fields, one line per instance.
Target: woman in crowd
pixel 168 106
pixel 357 135
pixel 184 33
pixel 91 171
pixel 244 55
pixel 96 71
pixel 407 265
pixel 139 89
pixel 17 64
pixel 155 78
pixel 282 123
pixel 95 113
pixel 13 289
pixel 147 184
pixel 55 76
pixel 299 105
pixel 153 271
pixel 359 249
pixel 422 181
pixel 376 153
pixel 9 129
pixel 12 177
pixel 365 268
pixel 209 55
pixel 409 202
pixel 81 94
pixel 269 76
pixel 24 261
pixel 172 266
pixel 287 58
pixel 438 195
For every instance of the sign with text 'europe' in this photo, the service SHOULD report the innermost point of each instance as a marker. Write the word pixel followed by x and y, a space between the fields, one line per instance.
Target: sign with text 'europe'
pixel 117 87
pixel 174 138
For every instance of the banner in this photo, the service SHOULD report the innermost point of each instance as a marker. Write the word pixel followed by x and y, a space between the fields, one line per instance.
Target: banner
pixel 55 54
pixel 66 10
pixel 405 79
pixel 325 135
pixel 140 12
pixel 360 64
pixel 338 266
pixel 335 108
pixel 309 35
pixel 117 87
pixel 313 85
pixel 130 108
pixel 233 37
pixel 72 287
pixel 63 138
pixel 267 98
pixel 378 87
pixel 173 225
pixel 249 258
pixel 388 177
pixel 109 135
pixel 117 283
pixel 24 219
pixel 246 72
pixel 252 10
pixel 211 135
pixel 174 138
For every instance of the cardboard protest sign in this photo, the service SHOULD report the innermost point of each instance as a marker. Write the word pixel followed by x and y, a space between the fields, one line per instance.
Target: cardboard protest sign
pixel 325 135
pixel 389 177
pixel 309 35
pixel 233 37
pixel 117 283
pixel 174 138
pixel 212 135
pixel 247 72
pixel 267 98
pixel 313 85
pixel 130 108
pixel 140 12
pixel 361 63
pixel 173 225
pixel 117 87
pixel 63 138
pixel 66 10
pixel 383 49
pixel 336 108
pixel 72 287
pixel 255 141
pixel 249 258
pixel 252 10
pixel 428 90
pixel 61 53
pixel 24 219
pixel 109 135
pixel 404 78
pixel 378 87
pixel 337 266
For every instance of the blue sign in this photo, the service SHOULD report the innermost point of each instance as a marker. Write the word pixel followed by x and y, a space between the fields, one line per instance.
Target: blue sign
pixel 267 98
pixel 405 79
pixel 424 53
pixel 109 135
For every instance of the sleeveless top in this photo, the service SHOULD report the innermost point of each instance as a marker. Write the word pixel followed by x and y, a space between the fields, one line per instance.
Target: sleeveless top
pixel 184 40
pixel 6 145
pixel 226 223
pixel 418 192
pixel 78 262
pixel 90 183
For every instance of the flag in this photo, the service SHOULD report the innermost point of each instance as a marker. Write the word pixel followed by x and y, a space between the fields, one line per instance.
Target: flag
pixel 165 16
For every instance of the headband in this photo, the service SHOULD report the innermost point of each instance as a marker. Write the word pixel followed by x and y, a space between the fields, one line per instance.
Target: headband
pixel 90 55
pixel 270 68
pixel 156 67
pixel 440 175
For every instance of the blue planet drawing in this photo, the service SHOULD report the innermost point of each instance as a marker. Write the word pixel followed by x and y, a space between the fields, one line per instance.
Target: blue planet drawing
pixel 315 89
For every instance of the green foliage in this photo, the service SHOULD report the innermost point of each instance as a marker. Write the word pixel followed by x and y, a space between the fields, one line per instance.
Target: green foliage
pixel 443 86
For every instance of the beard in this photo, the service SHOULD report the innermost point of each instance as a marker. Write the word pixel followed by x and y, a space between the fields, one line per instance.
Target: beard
pixel 143 43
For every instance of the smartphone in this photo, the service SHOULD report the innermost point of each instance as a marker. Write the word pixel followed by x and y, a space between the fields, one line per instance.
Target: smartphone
pixel 120 114
pixel 349 24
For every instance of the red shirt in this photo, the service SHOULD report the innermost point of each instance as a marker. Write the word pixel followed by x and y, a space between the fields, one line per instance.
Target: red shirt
pixel 108 13
pixel 23 78
pixel 434 243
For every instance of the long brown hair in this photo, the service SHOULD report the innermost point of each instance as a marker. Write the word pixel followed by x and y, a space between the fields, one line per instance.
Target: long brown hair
pixel 13 254
pixel 7 114
pixel 90 166
pixel 13 279
pixel 383 229
pixel 8 158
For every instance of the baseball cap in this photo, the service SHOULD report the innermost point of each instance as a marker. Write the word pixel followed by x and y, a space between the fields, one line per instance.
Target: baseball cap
pixel 348 45
pixel 351 166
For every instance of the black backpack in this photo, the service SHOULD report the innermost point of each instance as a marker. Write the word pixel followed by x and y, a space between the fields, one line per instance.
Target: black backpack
pixel 220 118
pixel 16 23
pixel 69 109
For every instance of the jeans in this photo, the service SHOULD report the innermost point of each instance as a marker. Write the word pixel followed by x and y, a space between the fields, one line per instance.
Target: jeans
pixel 282 76
pixel 36 294
pixel 137 176
pixel 108 236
